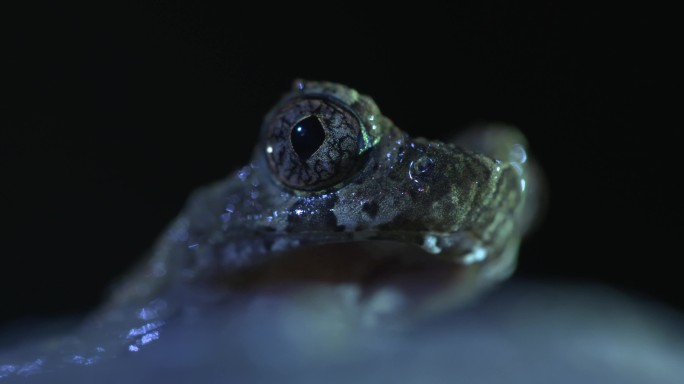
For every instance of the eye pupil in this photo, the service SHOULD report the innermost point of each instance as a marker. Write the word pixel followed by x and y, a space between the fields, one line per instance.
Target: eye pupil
pixel 312 144
pixel 307 136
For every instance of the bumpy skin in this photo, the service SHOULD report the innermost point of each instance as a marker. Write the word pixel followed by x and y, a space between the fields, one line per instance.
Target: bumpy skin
pixel 464 207
pixel 370 193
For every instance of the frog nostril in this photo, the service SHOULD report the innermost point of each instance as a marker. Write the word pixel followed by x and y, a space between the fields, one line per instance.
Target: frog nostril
pixel 307 136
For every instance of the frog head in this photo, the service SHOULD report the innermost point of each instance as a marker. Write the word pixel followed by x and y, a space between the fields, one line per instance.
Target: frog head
pixel 336 192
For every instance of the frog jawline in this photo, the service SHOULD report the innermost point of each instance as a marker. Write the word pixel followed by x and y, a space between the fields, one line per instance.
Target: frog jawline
pixel 368 259
pixel 425 282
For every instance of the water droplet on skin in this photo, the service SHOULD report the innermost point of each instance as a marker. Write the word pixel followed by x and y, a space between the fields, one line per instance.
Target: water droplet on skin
pixel 243 173
pixel 518 154
pixel 430 244
pixel 477 255
pixel 420 166
pixel 423 164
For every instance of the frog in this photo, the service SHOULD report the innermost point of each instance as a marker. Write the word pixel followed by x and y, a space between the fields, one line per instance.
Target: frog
pixel 336 199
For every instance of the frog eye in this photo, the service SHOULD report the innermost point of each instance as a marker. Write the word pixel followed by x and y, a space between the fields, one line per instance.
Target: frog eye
pixel 313 144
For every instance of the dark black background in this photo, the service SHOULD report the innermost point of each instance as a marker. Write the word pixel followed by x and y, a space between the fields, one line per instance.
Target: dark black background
pixel 111 115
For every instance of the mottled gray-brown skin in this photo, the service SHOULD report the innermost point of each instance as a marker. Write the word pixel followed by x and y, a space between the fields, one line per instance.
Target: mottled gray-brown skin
pixel 438 200
pixel 367 190
pixel 407 220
